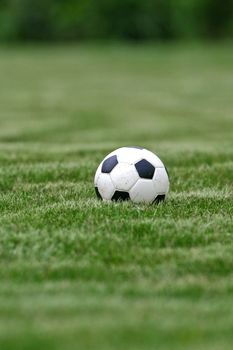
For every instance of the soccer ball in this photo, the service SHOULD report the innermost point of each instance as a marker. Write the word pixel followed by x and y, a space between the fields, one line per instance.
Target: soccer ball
pixel 132 173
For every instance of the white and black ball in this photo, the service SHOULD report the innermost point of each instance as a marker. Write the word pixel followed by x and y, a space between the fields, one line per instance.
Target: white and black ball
pixel 132 173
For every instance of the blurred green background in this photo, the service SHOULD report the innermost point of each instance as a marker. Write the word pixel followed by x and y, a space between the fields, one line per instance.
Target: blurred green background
pixel 61 20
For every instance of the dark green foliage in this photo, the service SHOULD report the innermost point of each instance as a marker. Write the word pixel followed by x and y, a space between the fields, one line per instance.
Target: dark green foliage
pixel 115 19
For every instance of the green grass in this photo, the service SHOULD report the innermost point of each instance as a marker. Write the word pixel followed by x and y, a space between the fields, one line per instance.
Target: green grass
pixel 76 273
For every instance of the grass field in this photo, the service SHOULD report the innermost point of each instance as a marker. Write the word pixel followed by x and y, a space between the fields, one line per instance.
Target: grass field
pixel 76 273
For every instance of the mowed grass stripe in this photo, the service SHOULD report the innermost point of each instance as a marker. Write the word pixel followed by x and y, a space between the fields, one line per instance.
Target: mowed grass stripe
pixel 214 260
pixel 93 209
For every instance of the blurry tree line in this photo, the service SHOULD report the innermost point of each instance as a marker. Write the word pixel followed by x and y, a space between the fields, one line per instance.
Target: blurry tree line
pixel 115 19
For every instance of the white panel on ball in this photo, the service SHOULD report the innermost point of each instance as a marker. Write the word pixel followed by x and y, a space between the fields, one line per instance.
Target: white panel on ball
pixel 129 155
pixel 98 172
pixel 152 158
pixel 105 186
pixel 124 176
pixel 143 191
pixel 161 181
pixel 114 153
pixel 117 152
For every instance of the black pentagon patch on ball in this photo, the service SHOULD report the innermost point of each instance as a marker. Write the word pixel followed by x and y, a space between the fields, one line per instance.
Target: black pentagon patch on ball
pixel 159 198
pixel 120 196
pixel 145 169
pixel 97 193
pixel 109 164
